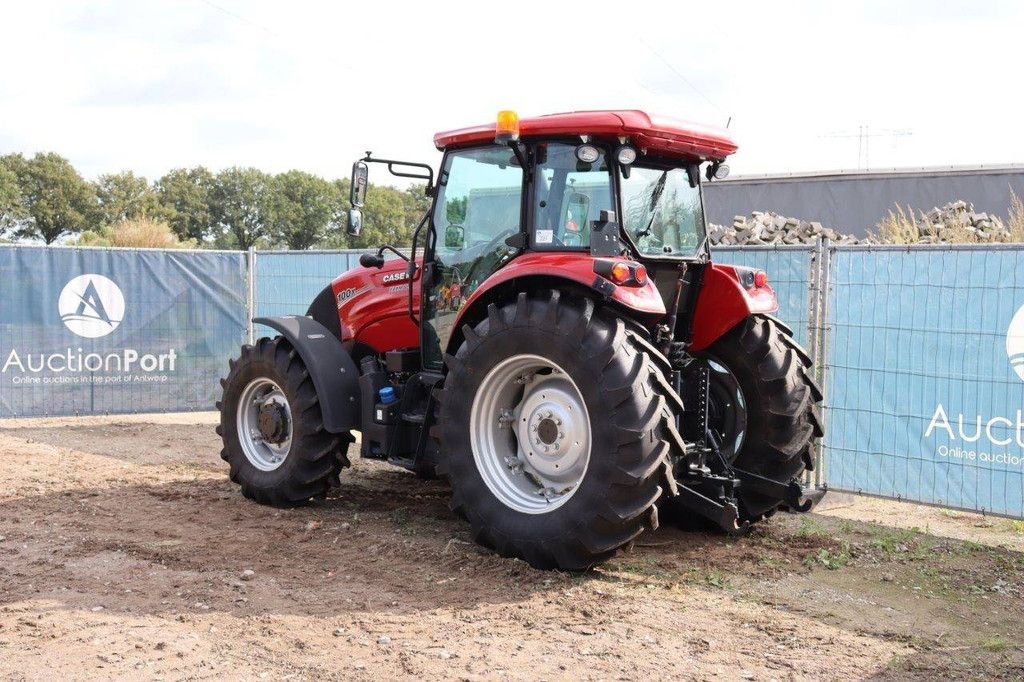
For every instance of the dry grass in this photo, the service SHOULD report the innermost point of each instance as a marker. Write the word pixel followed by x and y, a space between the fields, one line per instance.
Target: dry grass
pixel 903 226
pixel 138 233
pixel 1015 219
pixel 899 227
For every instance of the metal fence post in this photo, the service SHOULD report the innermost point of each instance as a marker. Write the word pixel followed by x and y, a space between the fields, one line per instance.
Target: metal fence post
pixel 813 332
pixel 250 294
pixel 821 357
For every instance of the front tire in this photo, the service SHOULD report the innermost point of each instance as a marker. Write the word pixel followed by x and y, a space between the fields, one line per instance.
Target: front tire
pixel 566 373
pixel 271 426
pixel 763 406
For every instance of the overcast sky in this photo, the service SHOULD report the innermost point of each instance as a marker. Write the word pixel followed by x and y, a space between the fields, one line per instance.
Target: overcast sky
pixel 149 86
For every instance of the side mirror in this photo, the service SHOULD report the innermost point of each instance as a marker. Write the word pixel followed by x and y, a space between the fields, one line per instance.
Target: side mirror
pixel 355 222
pixel 360 174
pixel 577 212
pixel 454 237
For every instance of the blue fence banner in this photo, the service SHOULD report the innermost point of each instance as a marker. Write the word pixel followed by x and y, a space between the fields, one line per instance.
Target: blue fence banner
pixel 923 347
pixel 789 272
pixel 926 375
pixel 100 331
pixel 287 281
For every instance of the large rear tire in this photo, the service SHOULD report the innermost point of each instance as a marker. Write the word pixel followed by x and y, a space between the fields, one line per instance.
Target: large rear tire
pixel 763 406
pixel 556 424
pixel 271 426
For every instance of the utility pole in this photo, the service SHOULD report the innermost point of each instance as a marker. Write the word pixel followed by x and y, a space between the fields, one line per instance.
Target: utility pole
pixel 864 135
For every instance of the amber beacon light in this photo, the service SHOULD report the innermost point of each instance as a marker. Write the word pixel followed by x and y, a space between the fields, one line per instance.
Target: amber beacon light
pixel 507 127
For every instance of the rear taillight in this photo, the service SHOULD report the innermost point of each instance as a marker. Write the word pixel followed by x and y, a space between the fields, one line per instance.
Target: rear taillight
pixel 751 278
pixel 623 273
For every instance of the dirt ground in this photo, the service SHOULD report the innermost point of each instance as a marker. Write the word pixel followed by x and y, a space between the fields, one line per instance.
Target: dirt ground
pixel 125 553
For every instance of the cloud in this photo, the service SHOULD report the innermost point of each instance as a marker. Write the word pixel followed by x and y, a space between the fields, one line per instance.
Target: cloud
pixel 121 21
pixel 148 86
pixel 181 84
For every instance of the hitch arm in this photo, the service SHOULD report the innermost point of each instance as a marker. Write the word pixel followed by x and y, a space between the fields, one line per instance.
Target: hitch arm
pixel 796 497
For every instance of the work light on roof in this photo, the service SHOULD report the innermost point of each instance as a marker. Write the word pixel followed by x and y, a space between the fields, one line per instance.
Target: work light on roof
pixel 587 153
pixel 626 154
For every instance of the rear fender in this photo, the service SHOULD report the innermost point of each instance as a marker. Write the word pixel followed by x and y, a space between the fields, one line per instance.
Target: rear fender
pixel 723 302
pixel 551 270
pixel 333 371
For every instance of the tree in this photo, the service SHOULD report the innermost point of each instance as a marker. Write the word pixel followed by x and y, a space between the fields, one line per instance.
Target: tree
pixel 56 200
pixel 187 193
pixel 10 198
pixel 240 205
pixel 124 195
pixel 301 209
pixel 389 217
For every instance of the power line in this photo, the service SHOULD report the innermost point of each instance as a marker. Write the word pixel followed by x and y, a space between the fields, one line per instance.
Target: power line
pixel 239 17
pixel 683 78
pixel 864 135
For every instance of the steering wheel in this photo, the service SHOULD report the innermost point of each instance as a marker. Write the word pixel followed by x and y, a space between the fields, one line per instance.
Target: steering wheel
pixel 487 248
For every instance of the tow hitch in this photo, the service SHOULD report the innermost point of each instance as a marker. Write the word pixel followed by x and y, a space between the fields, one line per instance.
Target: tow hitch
pixel 797 498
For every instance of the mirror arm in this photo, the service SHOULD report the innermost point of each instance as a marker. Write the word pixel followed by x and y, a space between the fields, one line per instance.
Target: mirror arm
pixel 391 163
pixel 388 247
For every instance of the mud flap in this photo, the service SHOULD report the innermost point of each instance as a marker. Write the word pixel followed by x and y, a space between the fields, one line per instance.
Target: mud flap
pixel 331 368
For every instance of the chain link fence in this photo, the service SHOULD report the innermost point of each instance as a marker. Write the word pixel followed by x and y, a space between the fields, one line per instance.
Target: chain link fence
pixel 924 362
pixel 920 349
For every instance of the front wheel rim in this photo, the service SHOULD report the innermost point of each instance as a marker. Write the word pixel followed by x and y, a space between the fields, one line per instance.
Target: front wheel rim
pixel 530 434
pixel 264 424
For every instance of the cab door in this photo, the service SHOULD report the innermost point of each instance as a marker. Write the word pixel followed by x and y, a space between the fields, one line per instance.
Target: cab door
pixel 479 205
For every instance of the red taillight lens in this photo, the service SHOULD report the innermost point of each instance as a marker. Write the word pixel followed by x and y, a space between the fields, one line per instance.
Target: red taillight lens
pixel 620 273
pixel 760 279
pixel 640 274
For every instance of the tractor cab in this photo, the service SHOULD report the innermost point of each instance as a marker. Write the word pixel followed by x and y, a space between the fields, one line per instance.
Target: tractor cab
pixel 622 187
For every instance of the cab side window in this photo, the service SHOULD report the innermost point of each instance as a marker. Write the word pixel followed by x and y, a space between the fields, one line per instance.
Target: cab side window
pixel 569 196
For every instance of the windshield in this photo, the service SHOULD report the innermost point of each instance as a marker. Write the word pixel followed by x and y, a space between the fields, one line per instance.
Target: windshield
pixel 663 213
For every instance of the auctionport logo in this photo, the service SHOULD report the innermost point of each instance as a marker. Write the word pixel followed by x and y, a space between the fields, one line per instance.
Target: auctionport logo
pixel 996 439
pixel 91 306
pixel 1015 342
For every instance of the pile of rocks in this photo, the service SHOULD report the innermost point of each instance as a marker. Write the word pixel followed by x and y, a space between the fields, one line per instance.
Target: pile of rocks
pixel 770 228
pixel 957 222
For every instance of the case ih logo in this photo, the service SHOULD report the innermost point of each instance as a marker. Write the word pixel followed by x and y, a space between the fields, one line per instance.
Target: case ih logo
pixel 91 306
pixel 1015 342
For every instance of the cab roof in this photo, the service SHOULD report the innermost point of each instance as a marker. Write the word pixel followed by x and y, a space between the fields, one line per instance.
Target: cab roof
pixel 648 132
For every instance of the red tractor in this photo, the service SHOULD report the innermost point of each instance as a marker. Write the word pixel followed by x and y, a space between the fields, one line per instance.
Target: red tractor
pixel 563 351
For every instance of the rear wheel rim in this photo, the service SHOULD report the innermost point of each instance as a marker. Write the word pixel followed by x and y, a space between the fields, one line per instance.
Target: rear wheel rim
pixel 530 434
pixel 265 442
pixel 727 409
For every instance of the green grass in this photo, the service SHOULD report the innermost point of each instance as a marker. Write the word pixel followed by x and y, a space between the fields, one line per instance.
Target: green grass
pixel 810 528
pixel 895 541
pixel 995 644
pixel 400 516
pixel 830 559
pixel 711 577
